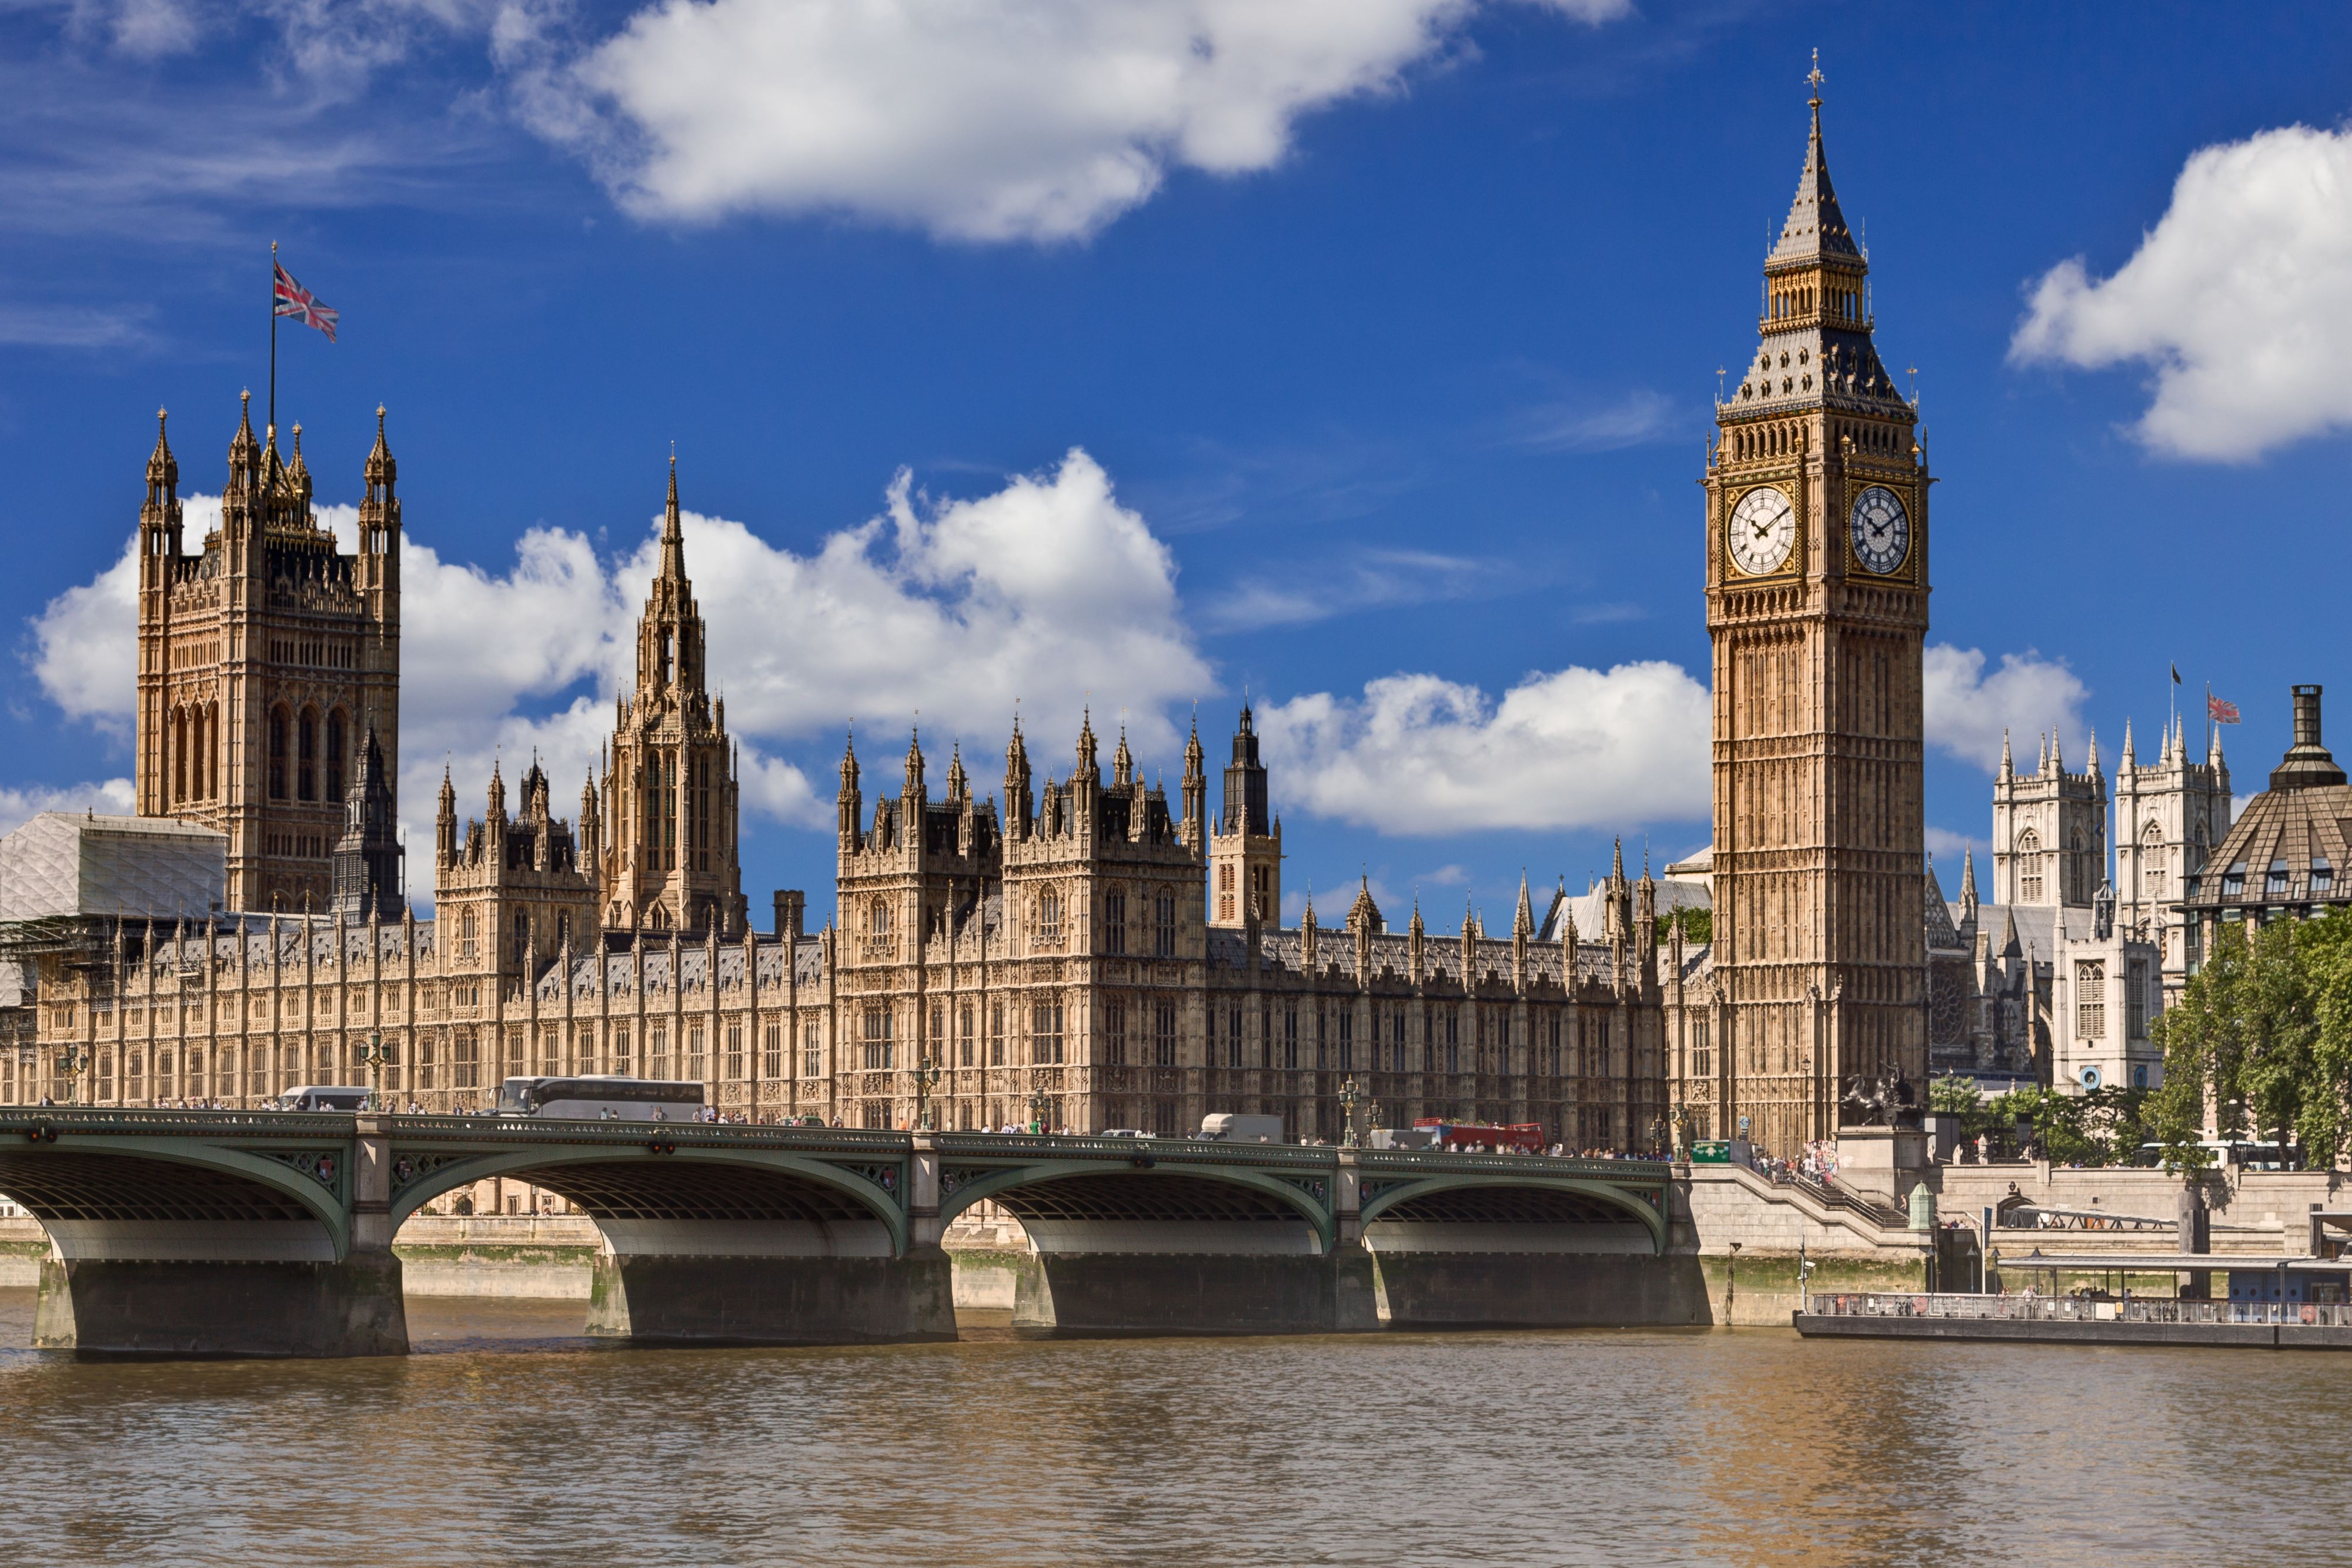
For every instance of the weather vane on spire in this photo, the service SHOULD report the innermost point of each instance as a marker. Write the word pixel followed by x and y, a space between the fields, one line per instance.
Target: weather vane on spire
pixel 1815 76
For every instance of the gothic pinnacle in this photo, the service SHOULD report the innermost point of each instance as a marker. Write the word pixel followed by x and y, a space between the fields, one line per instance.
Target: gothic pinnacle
pixel 673 539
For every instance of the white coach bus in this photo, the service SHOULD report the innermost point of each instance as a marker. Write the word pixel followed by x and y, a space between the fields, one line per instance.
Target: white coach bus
pixel 601 1098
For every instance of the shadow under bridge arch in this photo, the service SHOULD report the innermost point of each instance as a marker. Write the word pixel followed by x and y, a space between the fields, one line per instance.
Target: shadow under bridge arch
pixel 688 1201
pixel 1087 1206
pixel 1509 1212
pixel 167 1198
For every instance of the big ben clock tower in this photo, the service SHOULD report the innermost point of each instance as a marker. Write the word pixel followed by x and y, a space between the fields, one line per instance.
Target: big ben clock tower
pixel 1817 557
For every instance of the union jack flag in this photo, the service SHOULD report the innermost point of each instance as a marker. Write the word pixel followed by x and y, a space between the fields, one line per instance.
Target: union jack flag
pixel 2220 710
pixel 293 299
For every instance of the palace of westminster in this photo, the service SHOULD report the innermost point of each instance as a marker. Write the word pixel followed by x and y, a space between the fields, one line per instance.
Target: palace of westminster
pixel 1088 951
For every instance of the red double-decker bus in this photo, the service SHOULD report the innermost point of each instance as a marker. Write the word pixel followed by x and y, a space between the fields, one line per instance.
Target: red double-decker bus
pixel 1518 1138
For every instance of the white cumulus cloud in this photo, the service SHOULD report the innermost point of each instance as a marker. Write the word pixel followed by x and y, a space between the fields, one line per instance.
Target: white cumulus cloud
pixel 1580 748
pixel 1969 709
pixel 1009 119
pixel 2240 300
pixel 1416 754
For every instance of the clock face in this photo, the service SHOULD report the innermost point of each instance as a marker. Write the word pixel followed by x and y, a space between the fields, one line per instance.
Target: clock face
pixel 1882 531
pixel 1763 530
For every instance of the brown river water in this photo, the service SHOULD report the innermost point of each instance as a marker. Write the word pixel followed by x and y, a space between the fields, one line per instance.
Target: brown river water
pixel 508 1438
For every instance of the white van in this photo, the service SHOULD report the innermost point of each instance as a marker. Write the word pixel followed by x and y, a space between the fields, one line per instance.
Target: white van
pixel 321 1097
pixel 1233 1127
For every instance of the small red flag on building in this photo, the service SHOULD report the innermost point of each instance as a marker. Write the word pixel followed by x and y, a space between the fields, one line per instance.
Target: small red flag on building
pixel 2220 710
pixel 303 306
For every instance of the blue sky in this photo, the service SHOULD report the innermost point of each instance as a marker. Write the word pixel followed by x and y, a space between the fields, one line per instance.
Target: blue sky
pixel 1354 352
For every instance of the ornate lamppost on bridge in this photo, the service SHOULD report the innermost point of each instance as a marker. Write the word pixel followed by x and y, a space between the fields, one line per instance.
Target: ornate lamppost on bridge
pixel 926 1077
pixel 1039 1103
pixel 1347 1095
pixel 376 1055
pixel 73 1061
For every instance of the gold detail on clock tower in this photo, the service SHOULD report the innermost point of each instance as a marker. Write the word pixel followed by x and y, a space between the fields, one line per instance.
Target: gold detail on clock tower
pixel 1816 578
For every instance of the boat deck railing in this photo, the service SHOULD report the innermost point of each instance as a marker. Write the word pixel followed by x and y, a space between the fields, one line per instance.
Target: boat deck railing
pixel 2023 1308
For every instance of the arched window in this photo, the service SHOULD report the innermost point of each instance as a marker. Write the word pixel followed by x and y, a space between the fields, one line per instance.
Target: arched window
pixel 665 769
pixel 306 756
pixel 1049 916
pixel 335 754
pixel 2078 878
pixel 877 918
pixel 2151 863
pixel 278 722
pixel 1114 926
pixel 2028 867
pixel 179 743
pixel 212 751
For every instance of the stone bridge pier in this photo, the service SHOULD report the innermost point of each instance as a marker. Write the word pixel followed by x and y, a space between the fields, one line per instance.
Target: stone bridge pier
pixel 710 1239
pixel 166 1245
pixel 1181 1237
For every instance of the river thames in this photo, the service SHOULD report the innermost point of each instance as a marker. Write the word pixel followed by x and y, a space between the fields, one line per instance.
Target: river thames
pixel 508 1438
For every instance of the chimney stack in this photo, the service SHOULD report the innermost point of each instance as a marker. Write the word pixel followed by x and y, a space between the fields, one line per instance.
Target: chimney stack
pixel 2307 764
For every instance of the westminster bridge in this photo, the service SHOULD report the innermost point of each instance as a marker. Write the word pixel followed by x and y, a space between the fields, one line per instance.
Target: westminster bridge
pixel 270 1233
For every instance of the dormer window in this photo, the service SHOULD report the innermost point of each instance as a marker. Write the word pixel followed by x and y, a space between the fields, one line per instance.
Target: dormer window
pixel 2322 875
pixel 2275 880
pixel 2234 880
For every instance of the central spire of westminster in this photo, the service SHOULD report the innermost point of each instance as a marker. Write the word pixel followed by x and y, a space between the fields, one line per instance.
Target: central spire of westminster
pixel 1817 609
pixel 669 791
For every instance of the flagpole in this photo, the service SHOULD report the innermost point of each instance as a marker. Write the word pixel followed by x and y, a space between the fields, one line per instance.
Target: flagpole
pixel 273 339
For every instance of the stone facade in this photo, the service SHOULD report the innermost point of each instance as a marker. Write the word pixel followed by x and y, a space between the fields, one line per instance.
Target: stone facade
pixel 668 794
pixel 2169 815
pixel 1057 959
pixel 266 659
pixel 1817 582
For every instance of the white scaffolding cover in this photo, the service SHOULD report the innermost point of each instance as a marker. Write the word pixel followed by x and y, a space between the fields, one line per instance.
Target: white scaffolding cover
pixel 59 863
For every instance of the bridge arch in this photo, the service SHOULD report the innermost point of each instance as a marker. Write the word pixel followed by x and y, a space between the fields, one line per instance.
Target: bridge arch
pixel 1143 1191
pixel 81 1183
pixel 624 1186
pixel 1556 1199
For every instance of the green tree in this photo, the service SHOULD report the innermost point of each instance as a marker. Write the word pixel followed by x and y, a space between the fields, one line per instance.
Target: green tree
pixel 2262 1033
pixel 1955 1094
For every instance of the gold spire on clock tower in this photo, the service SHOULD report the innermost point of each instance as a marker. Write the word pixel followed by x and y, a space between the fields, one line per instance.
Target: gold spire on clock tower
pixel 1817 611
